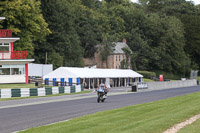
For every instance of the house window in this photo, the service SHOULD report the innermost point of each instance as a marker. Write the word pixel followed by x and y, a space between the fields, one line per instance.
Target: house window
pixel 12 70
pixel 123 57
pixel 116 58
pixel 119 57
pixel 4 46
pixel 116 67
pixel 4 71
pixel 17 71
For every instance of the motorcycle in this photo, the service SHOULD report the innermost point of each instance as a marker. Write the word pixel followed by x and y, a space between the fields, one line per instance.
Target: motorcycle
pixel 102 93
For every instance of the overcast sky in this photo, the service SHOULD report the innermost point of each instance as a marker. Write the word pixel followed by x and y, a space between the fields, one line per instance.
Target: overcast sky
pixel 195 1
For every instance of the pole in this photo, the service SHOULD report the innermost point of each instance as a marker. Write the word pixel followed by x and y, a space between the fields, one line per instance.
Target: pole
pixel 46 58
pixel 89 83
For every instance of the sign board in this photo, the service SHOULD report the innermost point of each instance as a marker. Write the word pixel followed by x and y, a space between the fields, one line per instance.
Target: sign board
pixel 161 77
pixel 5 33
pixel 39 70
pixel 142 85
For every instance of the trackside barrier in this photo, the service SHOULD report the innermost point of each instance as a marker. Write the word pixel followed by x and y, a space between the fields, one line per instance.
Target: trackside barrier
pixel 27 92
pixel 171 84
pixel 142 85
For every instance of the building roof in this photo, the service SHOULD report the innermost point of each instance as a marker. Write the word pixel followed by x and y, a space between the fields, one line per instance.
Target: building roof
pixel 119 46
pixel 9 40
pixel 16 62
pixel 75 72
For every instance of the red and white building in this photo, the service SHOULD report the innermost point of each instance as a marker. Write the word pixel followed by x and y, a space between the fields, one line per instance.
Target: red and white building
pixel 13 64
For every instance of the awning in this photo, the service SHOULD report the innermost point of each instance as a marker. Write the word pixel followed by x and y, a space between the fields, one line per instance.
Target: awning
pixel 8 40
pixel 16 62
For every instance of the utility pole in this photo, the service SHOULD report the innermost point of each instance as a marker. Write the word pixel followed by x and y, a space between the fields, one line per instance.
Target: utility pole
pixel 46 58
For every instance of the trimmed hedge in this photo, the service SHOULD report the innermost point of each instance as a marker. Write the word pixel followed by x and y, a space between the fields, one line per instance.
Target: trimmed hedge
pixel 168 75
pixel 147 74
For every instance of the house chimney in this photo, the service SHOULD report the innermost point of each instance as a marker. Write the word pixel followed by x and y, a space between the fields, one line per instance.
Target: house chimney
pixel 124 40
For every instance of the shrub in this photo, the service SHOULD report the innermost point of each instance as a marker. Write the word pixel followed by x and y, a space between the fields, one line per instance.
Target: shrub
pixel 147 74
pixel 168 75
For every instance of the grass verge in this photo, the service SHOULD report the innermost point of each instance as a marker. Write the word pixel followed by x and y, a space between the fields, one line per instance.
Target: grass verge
pixel 154 117
pixel 148 80
pixel 192 128
pixel 13 86
pixel 16 98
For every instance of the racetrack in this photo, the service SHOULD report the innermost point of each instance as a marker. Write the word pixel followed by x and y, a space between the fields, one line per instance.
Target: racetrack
pixel 26 116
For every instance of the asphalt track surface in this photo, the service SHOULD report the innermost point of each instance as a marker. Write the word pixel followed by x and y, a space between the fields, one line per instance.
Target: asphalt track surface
pixel 26 116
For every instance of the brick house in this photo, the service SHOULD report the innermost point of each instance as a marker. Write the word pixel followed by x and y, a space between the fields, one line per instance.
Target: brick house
pixel 114 60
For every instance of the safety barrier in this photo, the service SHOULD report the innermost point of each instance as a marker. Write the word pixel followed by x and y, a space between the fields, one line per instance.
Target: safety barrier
pixel 171 84
pixel 27 92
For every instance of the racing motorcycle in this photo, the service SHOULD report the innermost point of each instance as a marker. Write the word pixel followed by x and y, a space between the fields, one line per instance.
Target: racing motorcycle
pixel 102 93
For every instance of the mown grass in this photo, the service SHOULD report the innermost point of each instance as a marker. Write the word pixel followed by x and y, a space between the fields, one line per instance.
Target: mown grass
pixel 192 128
pixel 15 86
pixel 148 80
pixel 154 117
pixel 4 86
pixel 16 98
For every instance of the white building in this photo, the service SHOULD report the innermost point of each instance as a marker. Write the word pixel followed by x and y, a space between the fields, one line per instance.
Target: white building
pixel 13 64
pixel 39 70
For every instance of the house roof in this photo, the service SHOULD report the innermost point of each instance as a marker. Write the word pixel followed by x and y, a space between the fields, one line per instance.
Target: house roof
pixel 16 62
pixel 75 72
pixel 119 46
pixel 9 40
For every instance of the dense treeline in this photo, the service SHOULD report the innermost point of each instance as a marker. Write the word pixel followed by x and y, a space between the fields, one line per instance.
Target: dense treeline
pixel 164 35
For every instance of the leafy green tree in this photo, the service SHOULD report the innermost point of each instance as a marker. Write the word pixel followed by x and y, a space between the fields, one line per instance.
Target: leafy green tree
pixel 192 36
pixel 125 63
pixel 64 41
pixel 93 4
pixel 107 47
pixel 188 13
pixel 24 17
pixel 88 29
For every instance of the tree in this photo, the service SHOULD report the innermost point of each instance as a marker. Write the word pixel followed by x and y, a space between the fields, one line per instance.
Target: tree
pixel 64 41
pixel 92 4
pixel 192 35
pixel 24 17
pixel 88 29
pixel 106 47
pixel 125 63
pixel 188 13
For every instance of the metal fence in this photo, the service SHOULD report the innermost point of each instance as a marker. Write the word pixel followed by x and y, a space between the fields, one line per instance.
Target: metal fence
pixel 194 74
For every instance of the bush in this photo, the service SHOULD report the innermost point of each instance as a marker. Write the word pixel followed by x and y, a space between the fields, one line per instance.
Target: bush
pixel 168 75
pixel 147 74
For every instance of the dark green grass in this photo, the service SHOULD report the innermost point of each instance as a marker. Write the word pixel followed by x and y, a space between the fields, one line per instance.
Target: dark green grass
pixel 154 117
pixel 13 86
pixel 148 80
pixel 192 128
